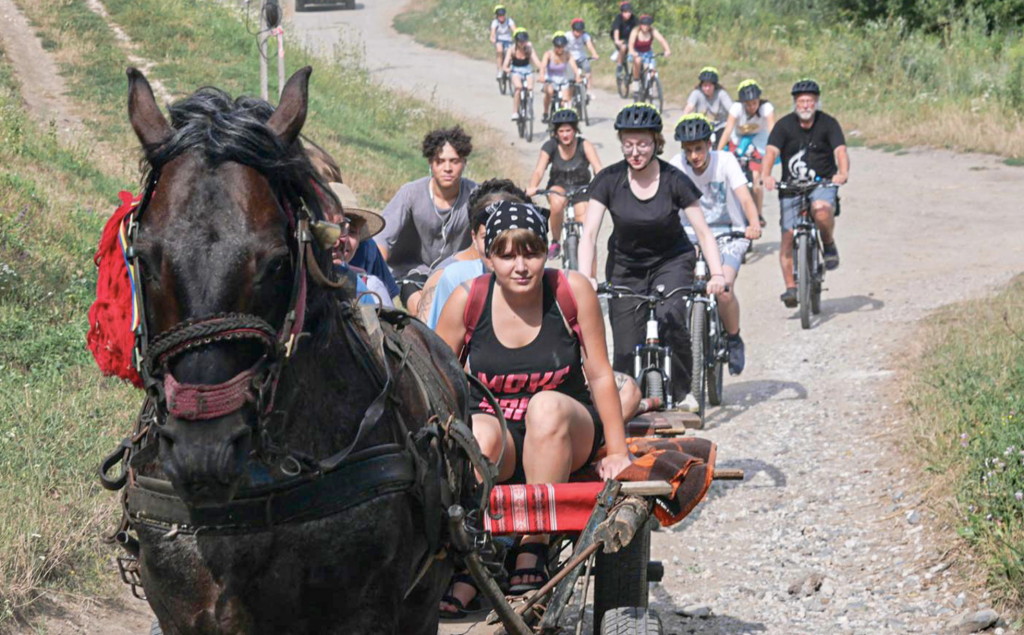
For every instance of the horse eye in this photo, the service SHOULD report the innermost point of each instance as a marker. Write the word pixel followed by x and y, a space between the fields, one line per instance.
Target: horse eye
pixel 150 272
pixel 273 268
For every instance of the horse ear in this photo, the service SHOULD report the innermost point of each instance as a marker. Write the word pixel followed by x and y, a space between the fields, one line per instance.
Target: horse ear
pixel 149 123
pixel 290 115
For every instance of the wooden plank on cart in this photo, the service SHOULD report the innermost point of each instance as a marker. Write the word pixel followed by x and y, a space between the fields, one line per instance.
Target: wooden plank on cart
pixel 671 423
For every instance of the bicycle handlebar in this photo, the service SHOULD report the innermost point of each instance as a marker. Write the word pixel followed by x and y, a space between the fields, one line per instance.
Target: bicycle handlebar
pixel 572 191
pixel 611 291
pixel 801 187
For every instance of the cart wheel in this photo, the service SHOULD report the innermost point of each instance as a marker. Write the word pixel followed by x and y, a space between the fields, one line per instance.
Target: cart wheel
pixel 621 579
pixel 631 620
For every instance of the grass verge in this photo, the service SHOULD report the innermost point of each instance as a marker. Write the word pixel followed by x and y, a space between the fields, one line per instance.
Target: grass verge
pixel 962 89
pixel 968 397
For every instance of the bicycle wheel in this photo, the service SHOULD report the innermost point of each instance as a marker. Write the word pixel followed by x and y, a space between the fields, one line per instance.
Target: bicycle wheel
pixel 583 112
pixel 503 83
pixel 655 95
pixel 529 118
pixel 570 252
pixel 654 386
pixel 521 122
pixel 698 337
pixel 716 370
pixel 622 80
pixel 819 277
pixel 803 278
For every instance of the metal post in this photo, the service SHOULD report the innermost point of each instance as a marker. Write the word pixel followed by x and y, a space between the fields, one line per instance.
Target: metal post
pixel 280 62
pixel 264 89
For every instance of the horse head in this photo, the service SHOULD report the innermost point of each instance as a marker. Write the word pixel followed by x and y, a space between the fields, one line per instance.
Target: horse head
pixel 217 247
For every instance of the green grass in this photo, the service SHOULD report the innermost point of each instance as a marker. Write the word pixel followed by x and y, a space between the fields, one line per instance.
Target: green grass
pixel 968 397
pixel 961 89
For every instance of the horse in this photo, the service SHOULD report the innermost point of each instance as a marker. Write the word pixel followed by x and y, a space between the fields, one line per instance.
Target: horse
pixel 286 476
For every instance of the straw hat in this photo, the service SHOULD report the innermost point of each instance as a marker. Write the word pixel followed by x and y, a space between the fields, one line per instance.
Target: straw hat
pixel 373 223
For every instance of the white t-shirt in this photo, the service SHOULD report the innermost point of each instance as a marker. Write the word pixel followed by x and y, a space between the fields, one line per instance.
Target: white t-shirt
pixel 578 45
pixel 718 183
pixel 503 32
pixel 756 125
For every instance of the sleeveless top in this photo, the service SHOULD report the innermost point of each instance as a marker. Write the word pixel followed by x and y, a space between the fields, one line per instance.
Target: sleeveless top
pixel 552 361
pixel 568 173
pixel 643 46
pixel 516 61
pixel 557 70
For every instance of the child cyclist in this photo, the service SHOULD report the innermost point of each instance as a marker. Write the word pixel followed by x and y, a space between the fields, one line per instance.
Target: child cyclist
pixel 581 46
pixel 502 28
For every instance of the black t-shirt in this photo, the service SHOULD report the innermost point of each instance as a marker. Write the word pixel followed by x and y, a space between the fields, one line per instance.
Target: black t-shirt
pixel 624 27
pixel 807 154
pixel 645 232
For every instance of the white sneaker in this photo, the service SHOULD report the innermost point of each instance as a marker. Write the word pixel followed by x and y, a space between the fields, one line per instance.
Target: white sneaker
pixel 515 116
pixel 689 404
pixel 615 55
pixel 498 76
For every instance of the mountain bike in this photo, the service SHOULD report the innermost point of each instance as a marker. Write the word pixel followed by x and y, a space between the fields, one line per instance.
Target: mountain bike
pixel 808 255
pixel 623 75
pixel 505 79
pixel 572 229
pixel 524 122
pixel 652 360
pixel 580 99
pixel 650 86
pixel 707 337
pixel 557 101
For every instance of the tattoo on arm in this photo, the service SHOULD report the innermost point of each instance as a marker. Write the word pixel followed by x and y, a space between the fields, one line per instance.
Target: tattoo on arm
pixel 621 379
pixel 426 301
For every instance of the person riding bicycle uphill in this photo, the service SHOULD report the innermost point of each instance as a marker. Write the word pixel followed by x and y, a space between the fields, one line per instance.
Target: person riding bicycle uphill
pixel 502 28
pixel 727 207
pixel 572 158
pixel 709 97
pixel 522 348
pixel 750 121
pixel 581 47
pixel 622 26
pixel 648 246
pixel 427 220
pixel 812 146
pixel 641 42
pixel 520 60
pixel 554 72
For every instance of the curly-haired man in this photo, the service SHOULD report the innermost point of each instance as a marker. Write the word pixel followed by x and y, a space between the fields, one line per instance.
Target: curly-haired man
pixel 428 220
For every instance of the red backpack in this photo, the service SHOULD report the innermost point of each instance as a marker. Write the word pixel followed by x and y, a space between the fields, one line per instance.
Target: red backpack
pixel 564 298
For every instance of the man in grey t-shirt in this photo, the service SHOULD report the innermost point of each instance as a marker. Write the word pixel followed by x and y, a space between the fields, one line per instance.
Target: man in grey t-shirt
pixel 428 220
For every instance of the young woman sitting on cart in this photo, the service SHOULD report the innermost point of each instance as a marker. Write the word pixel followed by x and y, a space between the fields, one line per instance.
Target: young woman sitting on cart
pixel 524 351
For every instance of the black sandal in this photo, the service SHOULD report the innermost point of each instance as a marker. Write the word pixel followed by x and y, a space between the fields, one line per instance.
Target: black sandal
pixel 540 569
pixel 462 610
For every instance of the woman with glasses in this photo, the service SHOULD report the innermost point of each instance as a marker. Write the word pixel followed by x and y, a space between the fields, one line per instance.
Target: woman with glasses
pixel 357 225
pixel 648 246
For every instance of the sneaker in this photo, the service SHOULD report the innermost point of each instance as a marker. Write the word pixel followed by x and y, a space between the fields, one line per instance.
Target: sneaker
pixel 498 76
pixel 789 298
pixel 831 256
pixel 554 251
pixel 689 404
pixel 737 353
pixel 515 116
pixel 544 119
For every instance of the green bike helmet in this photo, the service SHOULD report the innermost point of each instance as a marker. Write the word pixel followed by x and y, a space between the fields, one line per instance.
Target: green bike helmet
pixel 708 74
pixel 499 9
pixel 521 35
pixel 559 39
pixel 565 115
pixel 748 90
pixel 640 116
pixel 693 127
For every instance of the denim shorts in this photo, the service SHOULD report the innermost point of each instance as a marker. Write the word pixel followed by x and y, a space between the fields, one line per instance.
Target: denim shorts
pixel 584 65
pixel 732 250
pixel 647 59
pixel 559 82
pixel 522 71
pixel 791 205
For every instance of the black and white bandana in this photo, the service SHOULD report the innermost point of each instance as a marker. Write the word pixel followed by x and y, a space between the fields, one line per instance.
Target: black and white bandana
pixel 509 215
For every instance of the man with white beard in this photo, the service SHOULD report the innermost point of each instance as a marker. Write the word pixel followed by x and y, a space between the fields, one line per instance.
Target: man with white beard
pixel 813 148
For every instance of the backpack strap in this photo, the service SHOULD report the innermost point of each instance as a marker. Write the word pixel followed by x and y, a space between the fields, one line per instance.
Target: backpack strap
pixel 474 309
pixel 566 301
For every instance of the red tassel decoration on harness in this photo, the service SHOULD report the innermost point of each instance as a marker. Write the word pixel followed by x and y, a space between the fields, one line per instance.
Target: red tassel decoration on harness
pixel 110 336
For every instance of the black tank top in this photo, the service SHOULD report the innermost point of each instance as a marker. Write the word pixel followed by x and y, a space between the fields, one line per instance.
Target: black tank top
pixel 568 173
pixel 552 361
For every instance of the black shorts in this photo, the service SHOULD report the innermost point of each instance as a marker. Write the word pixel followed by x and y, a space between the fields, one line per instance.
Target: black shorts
pixel 413 282
pixel 517 430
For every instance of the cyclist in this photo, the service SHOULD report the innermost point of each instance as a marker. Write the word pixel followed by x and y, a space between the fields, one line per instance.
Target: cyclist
pixel 727 207
pixel 572 158
pixel 520 61
pixel 502 28
pixel 622 26
pixel 581 46
pixel 522 348
pixel 641 41
pixel 554 72
pixel 812 146
pixel 427 220
pixel 709 97
pixel 648 246
pixel 750 121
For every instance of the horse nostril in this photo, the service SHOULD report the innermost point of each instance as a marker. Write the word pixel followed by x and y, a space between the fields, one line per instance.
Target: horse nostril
pixel 233 456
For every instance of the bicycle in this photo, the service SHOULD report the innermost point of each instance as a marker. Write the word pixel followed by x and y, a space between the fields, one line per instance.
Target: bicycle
pixel 580 98
pixel 524 120
pixel 623 75
pixel 808 254
pixel 557 101
pixel 650 86
pixel 505 79
pixel 707 337
pixel 572 229
pixel 652 361
pixel 745 156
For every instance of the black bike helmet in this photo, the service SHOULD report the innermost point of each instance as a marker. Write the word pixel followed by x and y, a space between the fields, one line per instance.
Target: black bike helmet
pixel 579 25
pixel 708 74
pixel 640 116
pixel 693 127
pixel 749 90
pixel 805 86
pixel 646 19
pixel 565 115
pixel 521 35
pixel 559 39
pixel 625 6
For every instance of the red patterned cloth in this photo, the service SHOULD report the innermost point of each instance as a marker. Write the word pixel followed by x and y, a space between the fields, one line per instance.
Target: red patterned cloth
pixel 110 336
pixel 688 463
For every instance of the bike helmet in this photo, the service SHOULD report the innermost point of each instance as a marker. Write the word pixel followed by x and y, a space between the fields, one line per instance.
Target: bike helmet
pixel 646 19
pixel 565 115
pixel 640 116
pixel 559 39
pixel 805 86
pixel 708 74
pixel 521 35
pixel 625 6
pixel 693 127
pixel 748 90
pixel 499 9
pixel 579 25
